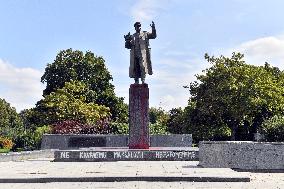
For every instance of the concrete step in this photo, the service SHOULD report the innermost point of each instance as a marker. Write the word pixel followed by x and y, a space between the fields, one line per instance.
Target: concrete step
pixel 125 179
pixel 45 171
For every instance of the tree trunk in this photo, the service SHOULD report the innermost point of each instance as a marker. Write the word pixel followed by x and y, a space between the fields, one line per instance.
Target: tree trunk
pixel 233 134
pixel 232 124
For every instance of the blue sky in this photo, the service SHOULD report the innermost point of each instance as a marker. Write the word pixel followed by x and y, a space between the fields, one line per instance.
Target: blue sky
pixel 32 32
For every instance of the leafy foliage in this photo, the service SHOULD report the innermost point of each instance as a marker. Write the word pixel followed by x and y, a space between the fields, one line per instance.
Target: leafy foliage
pixel 89 69
pixel 4 150
pixel 71 127
pixel 77 127
pixel 11 124
pixel 120 128
pixel 158 115
pixel 238 95
pixel 158 129
pixel 31 138
pixel 176 121
pixel 158 119
pixel 6 143
pixel 273 129
pixel 70 102
pixel 39 132
pixel 25 142
pixel 31 118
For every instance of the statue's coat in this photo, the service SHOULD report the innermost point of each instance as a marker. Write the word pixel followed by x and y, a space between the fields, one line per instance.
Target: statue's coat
pixel 145 55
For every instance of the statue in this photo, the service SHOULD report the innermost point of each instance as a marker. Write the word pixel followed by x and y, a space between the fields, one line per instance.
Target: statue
pixel 140 53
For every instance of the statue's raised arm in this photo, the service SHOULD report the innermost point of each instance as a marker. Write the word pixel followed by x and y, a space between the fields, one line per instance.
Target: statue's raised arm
pixel 152 35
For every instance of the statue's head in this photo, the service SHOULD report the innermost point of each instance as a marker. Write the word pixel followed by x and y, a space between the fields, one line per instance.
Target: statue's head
pixel 137 26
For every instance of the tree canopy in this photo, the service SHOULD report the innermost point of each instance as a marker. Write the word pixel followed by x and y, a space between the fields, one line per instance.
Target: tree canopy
pixel 75 65
pixel 70 103
pixel 238 94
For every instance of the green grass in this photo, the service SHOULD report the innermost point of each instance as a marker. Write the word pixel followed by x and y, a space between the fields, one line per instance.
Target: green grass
pixel 4 150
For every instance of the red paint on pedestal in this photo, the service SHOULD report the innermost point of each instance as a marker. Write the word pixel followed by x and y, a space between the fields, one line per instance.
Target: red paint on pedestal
pixel 139 116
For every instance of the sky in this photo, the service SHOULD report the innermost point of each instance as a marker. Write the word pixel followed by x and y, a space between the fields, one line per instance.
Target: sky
pixel 32 32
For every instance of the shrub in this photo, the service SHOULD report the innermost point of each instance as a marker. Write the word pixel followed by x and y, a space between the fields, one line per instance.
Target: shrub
pixel 31 139
pixel 103 126
pixel 25 142
pixel 4 150
pixel 76 127
pixel 120 128
pixel 70 127
pixel 37 136
pixel 273 129
pixel 6 143
pixel 154 128
pixel 158 128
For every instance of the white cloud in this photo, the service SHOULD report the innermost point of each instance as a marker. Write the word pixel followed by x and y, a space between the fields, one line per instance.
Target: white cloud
pixel 170 75
pixel 168 102
pixel 147 10
pixel 21 87
pixel 174 63
pixel 267 49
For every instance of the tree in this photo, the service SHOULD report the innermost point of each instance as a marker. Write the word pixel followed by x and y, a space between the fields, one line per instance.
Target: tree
pixel 176 122
pixel 31 119
pixel 158 115
pixel 158 120
pixel 72 65
pixel 11 124
pixel 273 129
pixel 203 126
pixel 71 103
pixel 238 94
pixel 59 108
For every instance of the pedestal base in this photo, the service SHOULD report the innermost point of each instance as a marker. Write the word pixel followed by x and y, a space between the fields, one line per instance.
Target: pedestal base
pixel 139 116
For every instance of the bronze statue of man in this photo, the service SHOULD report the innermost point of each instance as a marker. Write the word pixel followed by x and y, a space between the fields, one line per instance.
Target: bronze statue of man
pixel 140 52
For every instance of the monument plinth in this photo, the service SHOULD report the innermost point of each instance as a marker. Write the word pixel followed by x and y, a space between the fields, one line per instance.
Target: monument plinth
pixel 139 116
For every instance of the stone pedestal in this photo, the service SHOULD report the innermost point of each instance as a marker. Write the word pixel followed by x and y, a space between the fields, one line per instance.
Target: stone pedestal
pixel 242 155
pixel 139 116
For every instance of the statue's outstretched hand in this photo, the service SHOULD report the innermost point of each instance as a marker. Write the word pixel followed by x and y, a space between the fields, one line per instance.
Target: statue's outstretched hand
pixel 153 24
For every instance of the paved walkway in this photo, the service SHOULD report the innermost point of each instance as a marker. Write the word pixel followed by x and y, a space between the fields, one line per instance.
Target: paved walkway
pixel 34 170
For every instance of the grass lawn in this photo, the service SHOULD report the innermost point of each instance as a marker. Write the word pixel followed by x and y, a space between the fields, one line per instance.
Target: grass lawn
pixel 4 150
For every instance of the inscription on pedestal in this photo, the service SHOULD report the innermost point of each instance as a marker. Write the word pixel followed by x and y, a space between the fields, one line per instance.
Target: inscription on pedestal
pixel 176 155
pixel 167 155
pixel 128 155
pixel 92 155
pixel 64 155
